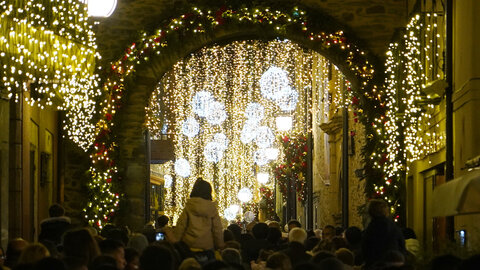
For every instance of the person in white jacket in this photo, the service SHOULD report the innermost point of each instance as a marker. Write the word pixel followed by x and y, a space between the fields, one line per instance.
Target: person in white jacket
pixel 199 226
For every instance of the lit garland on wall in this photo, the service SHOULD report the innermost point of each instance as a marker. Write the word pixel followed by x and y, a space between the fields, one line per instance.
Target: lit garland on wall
pixel 408 120
pixel 48 47
pixel 202 22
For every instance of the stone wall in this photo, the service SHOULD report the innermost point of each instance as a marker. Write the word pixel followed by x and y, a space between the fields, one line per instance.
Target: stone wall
pixel 372 21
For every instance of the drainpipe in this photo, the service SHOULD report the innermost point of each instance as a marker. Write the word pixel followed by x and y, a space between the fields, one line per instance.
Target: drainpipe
pixel 449 173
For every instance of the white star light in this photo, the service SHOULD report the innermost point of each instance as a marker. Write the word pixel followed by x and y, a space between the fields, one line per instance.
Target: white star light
pixel 272 153
pixel 221 139
pixel 272 82
pixel 249 132
pixel 231 212
pixel 287 99
pixel 213 152
pixel 190 127
pixel 216 114
pixel 264 137
pixel 260 157
pixel 201 103
pixel 182 167
pixel 254 112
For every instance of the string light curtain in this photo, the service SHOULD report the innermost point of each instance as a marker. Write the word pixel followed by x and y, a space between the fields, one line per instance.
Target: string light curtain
pixel 232 75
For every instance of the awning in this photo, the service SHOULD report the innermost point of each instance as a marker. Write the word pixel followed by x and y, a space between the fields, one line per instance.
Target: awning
pixel 457 197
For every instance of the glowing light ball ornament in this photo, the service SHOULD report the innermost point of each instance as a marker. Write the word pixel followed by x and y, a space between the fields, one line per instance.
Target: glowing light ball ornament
pixel 231 212
pixel 272 153
pixel 245 195
pixel 249 216
pixel 260 157
pixel 264 137
pixel 101 8
pixel 201 103
pixel 190 127
pixel 221 139
pixel 249 132
pixel 254 112
pixel 272 82
pixel 287 99
pixel 213 152
pixel 262 178
pixel 216 114
pixel 284 123
pixel 182 167
pixel 168 181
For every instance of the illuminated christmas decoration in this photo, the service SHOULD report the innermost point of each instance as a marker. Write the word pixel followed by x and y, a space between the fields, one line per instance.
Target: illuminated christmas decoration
pixel 213 152
pixel 263 178
pixel 245 195
pixel 216 114
pixel 284 123
pixel 201 103
pixel 287 99
pixel 198 23
pixel 168 181
pixel 261 157
pixel 182 167
pixel 101 8
pixel 231 212
pixel 190 127
pixel 273 82
pixel 272 153
pixel 222 140
pixel 254 112
pixel 249 216
pixel 249 132
pixel 265 137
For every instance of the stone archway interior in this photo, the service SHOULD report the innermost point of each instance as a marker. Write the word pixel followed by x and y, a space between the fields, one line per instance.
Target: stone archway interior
pixel 220 107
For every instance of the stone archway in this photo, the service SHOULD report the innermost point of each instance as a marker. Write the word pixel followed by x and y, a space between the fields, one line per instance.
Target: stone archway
pixel 145 62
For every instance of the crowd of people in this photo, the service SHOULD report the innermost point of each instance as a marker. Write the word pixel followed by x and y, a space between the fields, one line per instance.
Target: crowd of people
pixel 198 241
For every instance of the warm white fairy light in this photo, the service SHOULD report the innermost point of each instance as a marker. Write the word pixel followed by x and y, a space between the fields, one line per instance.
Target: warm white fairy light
pixel 232 76
pixel 48 51
pixel 190 127
pixel 261 157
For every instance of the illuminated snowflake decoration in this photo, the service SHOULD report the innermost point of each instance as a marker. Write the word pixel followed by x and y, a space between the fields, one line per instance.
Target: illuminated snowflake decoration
pixel 213 152
pixel 221 139
pixel 190 127
pixel 272 82
pixel 216 114
pixel 245 195
pixel 260 157
pixel 201 103
pixel 264 137
pixel 249 132
pixel 231 212
pixel 287 100
pixel 168 181
pixel 254 112
pixel 182 167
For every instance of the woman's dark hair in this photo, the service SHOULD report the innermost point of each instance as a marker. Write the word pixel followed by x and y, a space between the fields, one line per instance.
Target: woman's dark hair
pixel 201 189
pixel 80 244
